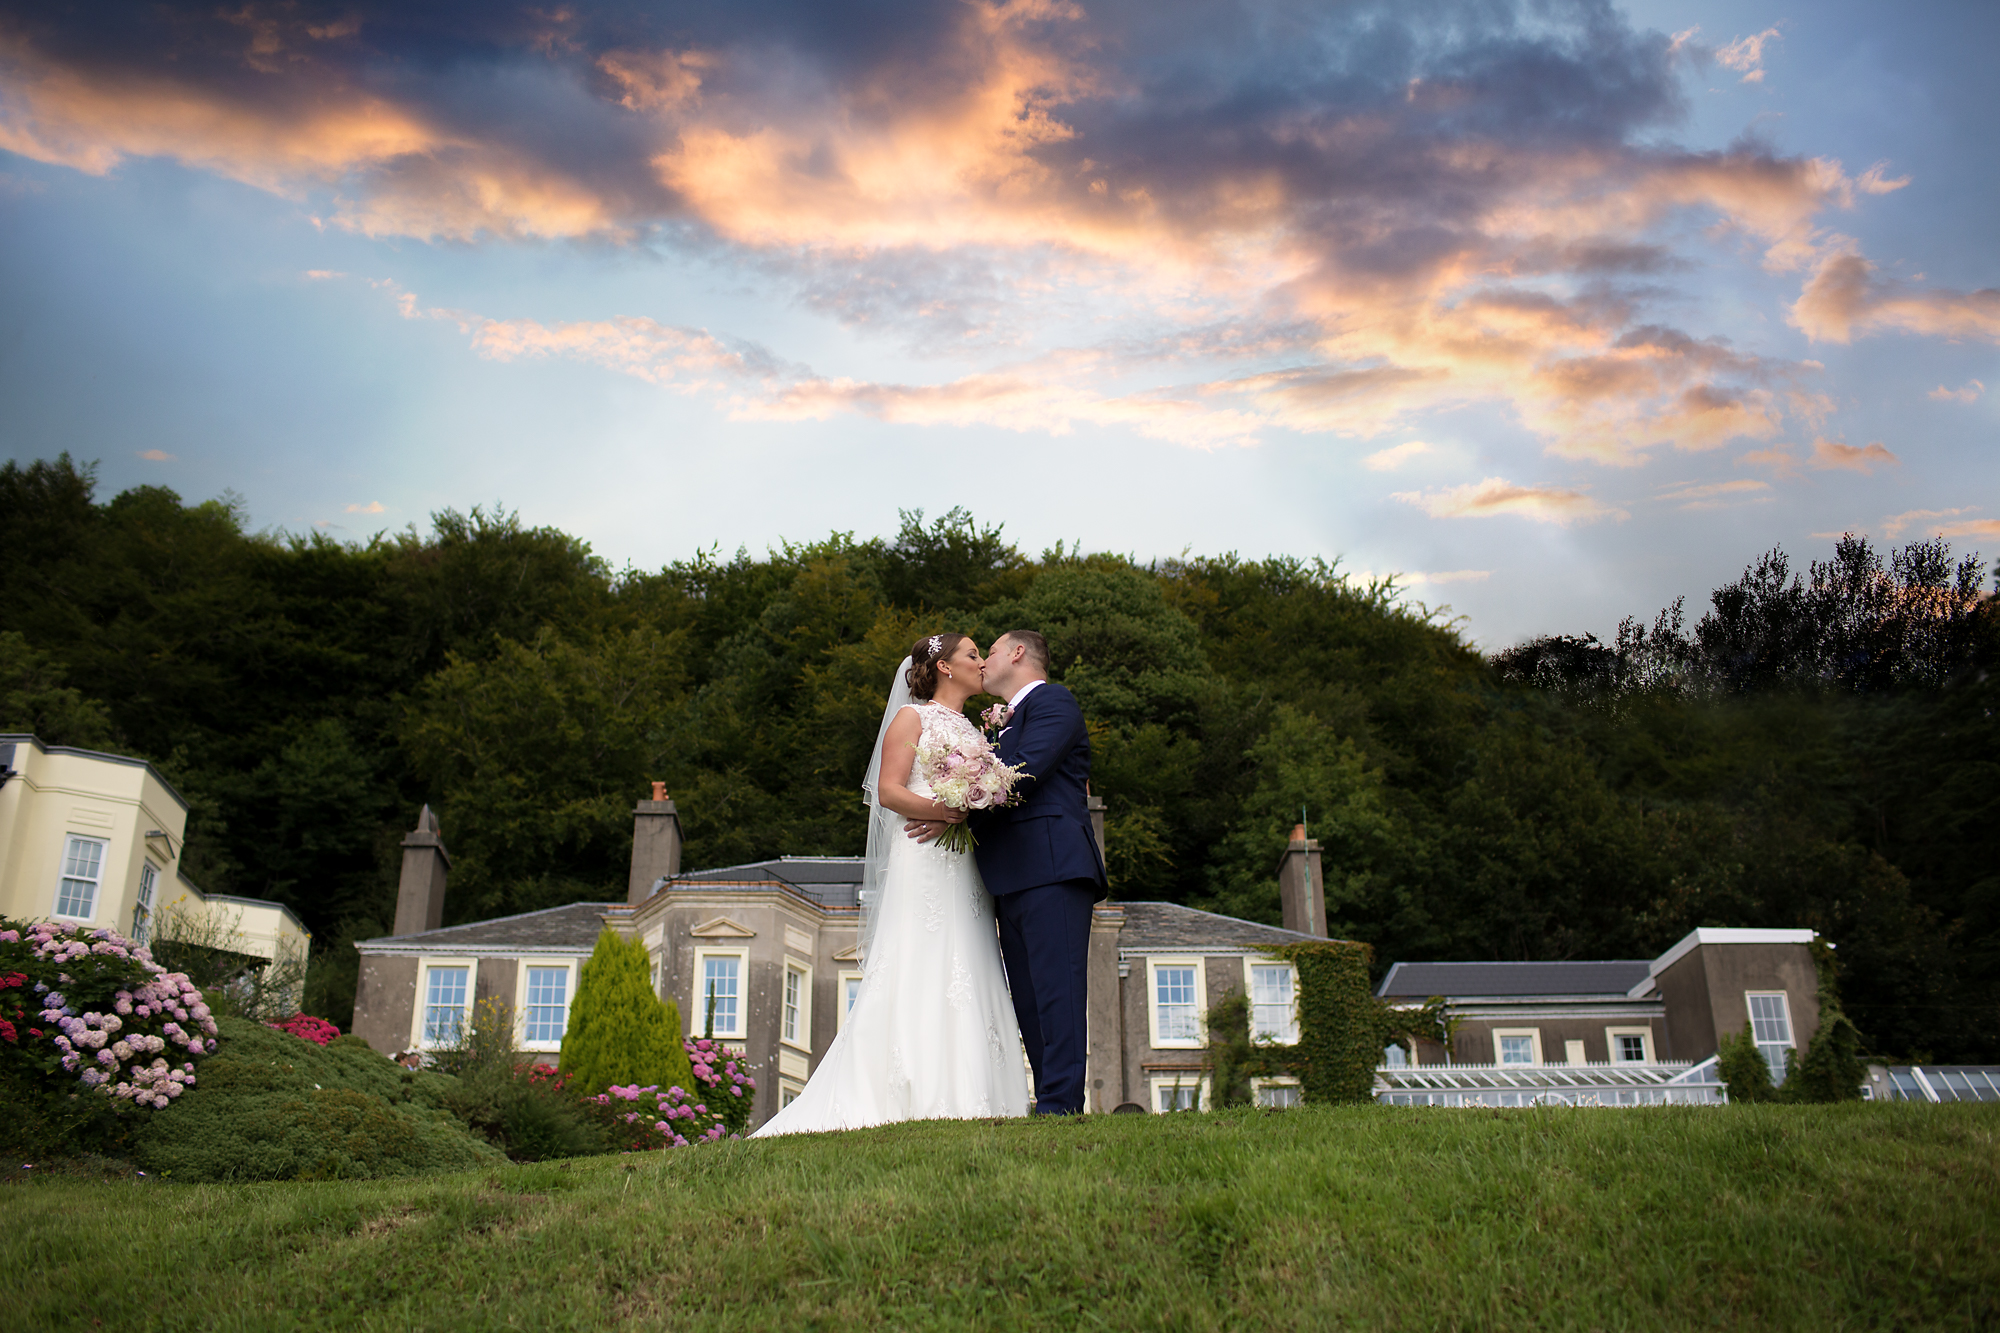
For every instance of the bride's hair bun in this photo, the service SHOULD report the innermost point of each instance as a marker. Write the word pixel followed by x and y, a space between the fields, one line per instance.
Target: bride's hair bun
pixel 925 655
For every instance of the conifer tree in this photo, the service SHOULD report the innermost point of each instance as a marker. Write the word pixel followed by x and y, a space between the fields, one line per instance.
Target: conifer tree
pixel 1743 1068
pixel 620 1032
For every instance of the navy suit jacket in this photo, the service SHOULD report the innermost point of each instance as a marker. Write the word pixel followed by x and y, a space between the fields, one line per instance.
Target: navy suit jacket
pixel 1046 839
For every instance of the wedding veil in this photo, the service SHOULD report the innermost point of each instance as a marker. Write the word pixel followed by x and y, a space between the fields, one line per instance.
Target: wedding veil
pixel 884 826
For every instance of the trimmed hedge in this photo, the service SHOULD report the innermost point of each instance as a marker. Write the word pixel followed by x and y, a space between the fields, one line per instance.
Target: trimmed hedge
pixel 270 1106
pixel 1340 1021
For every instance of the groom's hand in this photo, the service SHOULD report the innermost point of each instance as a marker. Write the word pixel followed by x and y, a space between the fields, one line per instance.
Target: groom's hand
pixel 925 830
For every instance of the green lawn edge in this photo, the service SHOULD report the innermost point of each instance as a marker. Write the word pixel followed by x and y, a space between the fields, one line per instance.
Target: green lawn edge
pixel 1825 1217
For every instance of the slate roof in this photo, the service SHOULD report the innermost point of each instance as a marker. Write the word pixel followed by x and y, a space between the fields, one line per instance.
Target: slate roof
pixel 1612 977
pixel 571 926
pixel 1160 926
pixel 830 881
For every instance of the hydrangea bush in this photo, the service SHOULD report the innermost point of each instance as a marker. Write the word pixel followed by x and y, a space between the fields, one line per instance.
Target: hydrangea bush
pixel 722 1080
pixel 315 1030
pixel 647 1119
pixel 90 1012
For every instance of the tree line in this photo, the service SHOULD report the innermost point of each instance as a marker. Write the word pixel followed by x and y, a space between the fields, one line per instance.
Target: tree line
pixel 1820 749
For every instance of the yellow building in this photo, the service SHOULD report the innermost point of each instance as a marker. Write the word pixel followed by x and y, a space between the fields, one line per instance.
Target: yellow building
pixel 95 839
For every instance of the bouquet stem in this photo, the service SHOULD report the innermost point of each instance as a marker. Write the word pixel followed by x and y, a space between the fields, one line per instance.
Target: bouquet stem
pixel 957 838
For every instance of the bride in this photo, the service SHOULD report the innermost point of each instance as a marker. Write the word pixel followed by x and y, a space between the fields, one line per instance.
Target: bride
pixel 932 1034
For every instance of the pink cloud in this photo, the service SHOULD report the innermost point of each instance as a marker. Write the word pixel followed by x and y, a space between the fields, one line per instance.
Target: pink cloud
pixel 372 507
pixel 1852 458
pixel 1745 55
pixel 157 456
pixel 1388 460
pixel 1495 496
pixel 1940 523
pixel 1967 393
pixel 1845 296
pixel 1717 495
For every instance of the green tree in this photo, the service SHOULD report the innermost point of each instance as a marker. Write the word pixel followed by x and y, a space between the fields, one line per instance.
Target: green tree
pixel 33 699
pixel 1744 1071
pixel 620 1032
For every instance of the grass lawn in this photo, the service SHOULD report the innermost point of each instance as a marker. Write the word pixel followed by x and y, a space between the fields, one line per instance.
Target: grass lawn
pixel 1858 1216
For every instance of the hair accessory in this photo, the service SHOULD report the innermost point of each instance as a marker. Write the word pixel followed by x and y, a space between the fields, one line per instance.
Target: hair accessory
pixel 937 646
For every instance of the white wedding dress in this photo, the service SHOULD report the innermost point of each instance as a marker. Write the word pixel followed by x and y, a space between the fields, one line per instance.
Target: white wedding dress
pixel 932 1034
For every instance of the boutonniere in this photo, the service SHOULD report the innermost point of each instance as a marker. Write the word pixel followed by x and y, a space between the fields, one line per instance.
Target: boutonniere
pixel 995 719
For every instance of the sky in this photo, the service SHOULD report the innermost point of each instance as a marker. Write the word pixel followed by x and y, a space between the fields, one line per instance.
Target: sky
pixel 1556 309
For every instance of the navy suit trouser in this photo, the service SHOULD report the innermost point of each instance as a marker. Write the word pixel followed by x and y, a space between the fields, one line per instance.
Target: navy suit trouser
pixel 1045 942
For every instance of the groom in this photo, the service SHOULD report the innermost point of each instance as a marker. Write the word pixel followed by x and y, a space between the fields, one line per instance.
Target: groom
pixel 1042 866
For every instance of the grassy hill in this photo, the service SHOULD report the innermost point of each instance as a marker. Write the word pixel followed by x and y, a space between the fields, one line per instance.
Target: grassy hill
pixel 1739 1217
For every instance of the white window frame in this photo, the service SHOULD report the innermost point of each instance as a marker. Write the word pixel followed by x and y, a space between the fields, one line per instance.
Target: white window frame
pixel 568 965
pixel 804 974
pixel 840 1005
pixel 1611 1036
pixel 1289 1034
pixel 1258 1085
pixel 142 902
pixel 788 1092
pixel 1791 1042
pixel 698 985
pixel 1153 966
pixel 1159 1083
pixel 64 879
pixel 1534 1036
pixel 424 966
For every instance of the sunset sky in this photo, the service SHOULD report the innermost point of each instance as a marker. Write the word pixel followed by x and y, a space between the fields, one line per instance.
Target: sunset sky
pixel 1559 309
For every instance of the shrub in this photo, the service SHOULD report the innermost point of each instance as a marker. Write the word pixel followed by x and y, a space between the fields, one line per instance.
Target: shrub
pixel 1832 1070
pixel 1744 1071
pixel 620 1032
pixel 522 1108
pixel 304 1026
pixel 272 1107
pixel 93 1033
pixel 722 1081
pixel 647 1119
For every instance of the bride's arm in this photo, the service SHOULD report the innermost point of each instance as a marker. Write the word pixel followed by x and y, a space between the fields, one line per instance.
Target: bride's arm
pixel 899 757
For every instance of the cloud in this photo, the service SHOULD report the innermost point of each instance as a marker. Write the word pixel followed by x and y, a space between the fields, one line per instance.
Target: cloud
pixel 1940 523
pixel 157 456
pixel 1845 296
pixel 323 274
pixel 1717 495
pixel 1325 219
pixel 1853 458
pixel 1968 393
pixel 1745 55
pixel 1495 496
pixel 1388 460
pixel 372 507
pixel 1450 576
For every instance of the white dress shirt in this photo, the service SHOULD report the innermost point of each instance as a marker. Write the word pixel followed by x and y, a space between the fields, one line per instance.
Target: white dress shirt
pixel 1023 693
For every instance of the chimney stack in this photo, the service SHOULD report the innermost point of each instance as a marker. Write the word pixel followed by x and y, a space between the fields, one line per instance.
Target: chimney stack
pixel 1302 886
pixel 420 892
pixel 656 845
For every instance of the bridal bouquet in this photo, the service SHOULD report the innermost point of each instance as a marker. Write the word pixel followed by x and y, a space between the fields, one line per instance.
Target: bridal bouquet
pixel 966 775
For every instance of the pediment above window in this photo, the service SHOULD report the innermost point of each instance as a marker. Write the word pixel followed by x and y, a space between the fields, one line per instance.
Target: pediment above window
pixel 722 928
pixel 851 954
